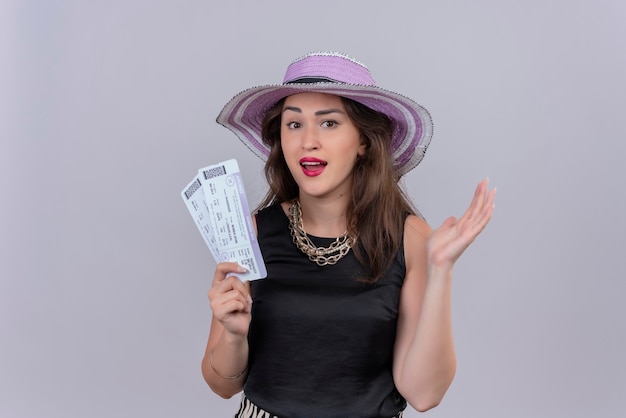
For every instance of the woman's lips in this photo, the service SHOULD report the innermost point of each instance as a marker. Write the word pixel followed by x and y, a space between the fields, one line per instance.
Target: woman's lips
pixel 312 167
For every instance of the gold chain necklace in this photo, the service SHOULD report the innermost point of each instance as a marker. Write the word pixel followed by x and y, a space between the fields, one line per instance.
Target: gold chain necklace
pixel 322 256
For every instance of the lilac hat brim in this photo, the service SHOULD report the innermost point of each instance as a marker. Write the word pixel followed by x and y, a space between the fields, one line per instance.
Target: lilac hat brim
pixel 413 127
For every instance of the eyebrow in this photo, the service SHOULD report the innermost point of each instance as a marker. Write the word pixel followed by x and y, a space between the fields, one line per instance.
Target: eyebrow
pixel 318 113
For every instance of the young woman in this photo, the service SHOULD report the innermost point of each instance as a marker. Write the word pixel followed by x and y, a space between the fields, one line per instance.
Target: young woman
pixel 354 317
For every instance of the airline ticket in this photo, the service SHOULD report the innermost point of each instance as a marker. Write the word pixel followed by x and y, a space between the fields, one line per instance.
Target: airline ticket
pixel 216 199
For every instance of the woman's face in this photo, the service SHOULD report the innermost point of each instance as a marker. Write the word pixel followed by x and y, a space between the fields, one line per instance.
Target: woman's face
pixel 320 144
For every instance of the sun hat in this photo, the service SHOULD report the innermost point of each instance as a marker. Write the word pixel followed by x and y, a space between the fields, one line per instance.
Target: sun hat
pixel 341 75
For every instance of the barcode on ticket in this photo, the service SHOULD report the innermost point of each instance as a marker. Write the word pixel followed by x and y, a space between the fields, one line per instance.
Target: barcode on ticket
pixel 214 172
pixel 195 185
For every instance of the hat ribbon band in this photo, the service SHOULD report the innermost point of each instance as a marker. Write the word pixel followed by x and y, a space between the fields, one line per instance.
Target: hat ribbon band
pixel 310 80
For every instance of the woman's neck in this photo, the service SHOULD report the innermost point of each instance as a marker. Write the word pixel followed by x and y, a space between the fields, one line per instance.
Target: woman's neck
pixel 324 217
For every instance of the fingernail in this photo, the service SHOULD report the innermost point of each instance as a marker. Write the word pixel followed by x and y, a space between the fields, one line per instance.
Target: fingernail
pixel 241 269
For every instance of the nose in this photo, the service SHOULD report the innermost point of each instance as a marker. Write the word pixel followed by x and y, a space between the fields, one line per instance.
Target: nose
pixel 310 139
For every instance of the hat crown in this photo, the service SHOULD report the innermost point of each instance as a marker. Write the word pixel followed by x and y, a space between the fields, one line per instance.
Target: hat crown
pixel 330 67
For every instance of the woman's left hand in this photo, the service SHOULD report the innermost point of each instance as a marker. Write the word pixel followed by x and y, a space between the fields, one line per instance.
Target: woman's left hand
pixel 449 241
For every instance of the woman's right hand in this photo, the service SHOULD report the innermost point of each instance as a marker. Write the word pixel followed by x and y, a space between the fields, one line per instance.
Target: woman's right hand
pixel 230 299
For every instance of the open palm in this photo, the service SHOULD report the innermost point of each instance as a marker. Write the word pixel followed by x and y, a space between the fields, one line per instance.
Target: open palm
pixel 449 241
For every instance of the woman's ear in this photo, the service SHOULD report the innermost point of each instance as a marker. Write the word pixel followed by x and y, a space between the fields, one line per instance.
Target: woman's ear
pixel 362 150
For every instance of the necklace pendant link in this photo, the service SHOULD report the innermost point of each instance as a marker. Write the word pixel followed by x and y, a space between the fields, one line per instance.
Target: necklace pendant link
pixel 322 256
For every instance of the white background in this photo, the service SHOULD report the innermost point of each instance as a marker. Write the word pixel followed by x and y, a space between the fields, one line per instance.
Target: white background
pixel 107 110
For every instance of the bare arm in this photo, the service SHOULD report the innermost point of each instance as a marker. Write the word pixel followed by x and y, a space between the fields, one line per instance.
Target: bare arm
pixel 424 356
pixel 225 360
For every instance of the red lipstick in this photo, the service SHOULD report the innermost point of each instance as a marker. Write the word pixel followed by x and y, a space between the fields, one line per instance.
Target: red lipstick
pixel 312 166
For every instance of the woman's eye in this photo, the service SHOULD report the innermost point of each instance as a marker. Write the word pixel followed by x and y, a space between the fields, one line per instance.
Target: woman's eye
pixel 293 125
pixel 329 123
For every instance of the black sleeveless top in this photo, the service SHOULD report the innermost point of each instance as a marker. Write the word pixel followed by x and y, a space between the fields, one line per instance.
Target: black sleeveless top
pixel 321 342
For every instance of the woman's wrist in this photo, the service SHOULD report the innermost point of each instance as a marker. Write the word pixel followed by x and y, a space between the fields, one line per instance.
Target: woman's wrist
pixel 224 376
pixel 228 359
pixel 439 273
pixel 234 340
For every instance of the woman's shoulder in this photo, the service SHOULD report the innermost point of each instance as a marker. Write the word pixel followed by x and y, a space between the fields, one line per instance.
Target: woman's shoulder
pixel 416 228
pixel 416 234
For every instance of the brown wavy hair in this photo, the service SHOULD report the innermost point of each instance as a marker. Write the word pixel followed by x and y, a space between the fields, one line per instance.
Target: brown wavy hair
pixel 379 205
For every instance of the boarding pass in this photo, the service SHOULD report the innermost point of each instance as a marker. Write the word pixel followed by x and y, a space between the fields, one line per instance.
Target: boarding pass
pixel 217 202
